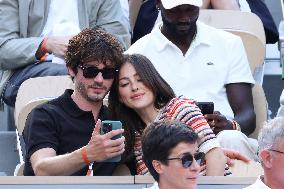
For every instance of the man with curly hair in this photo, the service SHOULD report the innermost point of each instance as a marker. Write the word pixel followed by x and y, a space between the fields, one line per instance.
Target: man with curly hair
pixel 62 136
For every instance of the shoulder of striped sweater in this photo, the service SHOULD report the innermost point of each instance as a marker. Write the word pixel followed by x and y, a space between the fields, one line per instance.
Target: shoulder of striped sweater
pixel 183 99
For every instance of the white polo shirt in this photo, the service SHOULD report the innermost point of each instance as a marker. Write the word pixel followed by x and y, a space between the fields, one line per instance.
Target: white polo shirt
pixel 214 59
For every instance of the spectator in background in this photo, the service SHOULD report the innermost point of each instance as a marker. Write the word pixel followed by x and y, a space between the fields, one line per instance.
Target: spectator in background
pixel 62 136
pixel 35 33
pixel 241 5
pixel 170 151
pixel 143 14
pixel 255 6
pixel 259 8
pixel 205 64
pixel 271 155
pixel 125 11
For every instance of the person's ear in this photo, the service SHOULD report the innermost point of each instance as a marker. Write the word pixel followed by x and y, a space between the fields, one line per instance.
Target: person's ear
pixel 157 166
pixel 266 158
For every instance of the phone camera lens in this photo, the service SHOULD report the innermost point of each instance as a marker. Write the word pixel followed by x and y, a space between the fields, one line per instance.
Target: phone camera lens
pixel 107 127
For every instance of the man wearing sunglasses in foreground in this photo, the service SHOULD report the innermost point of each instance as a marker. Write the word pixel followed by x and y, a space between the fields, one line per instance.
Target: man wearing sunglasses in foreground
pixel 170 153
pixel 62 136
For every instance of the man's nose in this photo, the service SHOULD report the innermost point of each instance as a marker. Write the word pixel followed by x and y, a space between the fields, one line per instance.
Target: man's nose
pixel 99 78
pixel 195 166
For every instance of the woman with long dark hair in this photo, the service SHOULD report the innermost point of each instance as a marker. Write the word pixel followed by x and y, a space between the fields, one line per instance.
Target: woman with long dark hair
pixel 140 96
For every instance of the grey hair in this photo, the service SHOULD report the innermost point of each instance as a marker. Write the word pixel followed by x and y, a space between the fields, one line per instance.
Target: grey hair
pixel 271 133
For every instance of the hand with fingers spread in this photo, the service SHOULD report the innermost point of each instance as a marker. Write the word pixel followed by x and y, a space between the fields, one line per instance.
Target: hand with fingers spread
pixel 103 147
pixel 218 122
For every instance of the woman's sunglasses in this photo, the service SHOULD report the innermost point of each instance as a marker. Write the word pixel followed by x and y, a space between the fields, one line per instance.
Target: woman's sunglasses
pixel 187 159
pixel 92 71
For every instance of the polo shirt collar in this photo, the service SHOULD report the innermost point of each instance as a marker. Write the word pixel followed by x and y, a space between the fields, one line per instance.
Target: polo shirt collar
pixel 202 36
pixel 162 42
pixel 71 108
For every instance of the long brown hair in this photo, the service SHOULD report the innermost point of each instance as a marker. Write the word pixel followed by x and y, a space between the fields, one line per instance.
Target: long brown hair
pixel 131 121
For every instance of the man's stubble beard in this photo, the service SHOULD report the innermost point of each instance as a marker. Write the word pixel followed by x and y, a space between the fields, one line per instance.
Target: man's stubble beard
pixel 83 91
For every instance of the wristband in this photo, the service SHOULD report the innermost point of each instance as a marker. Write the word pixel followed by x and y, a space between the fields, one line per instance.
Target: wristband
pixel 42 53
pixel 84 155
pixel 43 46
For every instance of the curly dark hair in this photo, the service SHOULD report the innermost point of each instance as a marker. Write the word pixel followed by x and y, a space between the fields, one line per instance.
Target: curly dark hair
pixel 93 44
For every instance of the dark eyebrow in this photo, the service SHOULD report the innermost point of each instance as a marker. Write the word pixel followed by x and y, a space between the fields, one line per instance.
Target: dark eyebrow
pixel 123 78
pixel 136 74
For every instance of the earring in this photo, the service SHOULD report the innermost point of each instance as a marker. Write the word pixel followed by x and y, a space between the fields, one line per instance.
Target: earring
pixel 158 8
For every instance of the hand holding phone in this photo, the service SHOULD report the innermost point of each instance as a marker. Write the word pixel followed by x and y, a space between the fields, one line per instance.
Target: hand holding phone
pixel 107 126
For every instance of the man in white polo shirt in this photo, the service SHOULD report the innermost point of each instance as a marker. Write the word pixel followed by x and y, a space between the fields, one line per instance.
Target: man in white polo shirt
pixel 205 64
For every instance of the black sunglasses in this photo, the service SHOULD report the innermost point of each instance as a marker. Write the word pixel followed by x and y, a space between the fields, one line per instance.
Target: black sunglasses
pixel 92 71
pixel 187 159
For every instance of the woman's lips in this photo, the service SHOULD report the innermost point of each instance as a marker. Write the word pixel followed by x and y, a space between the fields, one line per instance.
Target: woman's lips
pixel 136 96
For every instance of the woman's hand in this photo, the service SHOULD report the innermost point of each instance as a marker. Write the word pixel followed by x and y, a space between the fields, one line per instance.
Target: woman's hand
pixel 234 155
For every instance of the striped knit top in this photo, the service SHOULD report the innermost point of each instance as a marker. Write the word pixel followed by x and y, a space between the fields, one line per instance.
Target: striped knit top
pixel 186 111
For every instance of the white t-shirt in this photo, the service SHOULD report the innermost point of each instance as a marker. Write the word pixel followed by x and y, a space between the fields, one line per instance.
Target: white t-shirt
pixel 258 185
pixel 125 8
pixel 214 59
pixel 62 20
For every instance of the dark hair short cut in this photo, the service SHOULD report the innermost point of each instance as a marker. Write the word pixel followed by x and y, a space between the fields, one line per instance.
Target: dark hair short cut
pixel 160 138
pixel 93 44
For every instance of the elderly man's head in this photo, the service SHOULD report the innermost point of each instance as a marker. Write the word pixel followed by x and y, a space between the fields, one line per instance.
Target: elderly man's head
pixel 271 152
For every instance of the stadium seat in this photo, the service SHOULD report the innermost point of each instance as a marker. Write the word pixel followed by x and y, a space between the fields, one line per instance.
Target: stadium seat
pixel 33 92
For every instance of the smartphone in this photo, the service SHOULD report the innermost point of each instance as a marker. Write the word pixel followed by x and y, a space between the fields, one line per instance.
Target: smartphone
pixel 206 107
pixel 107 126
